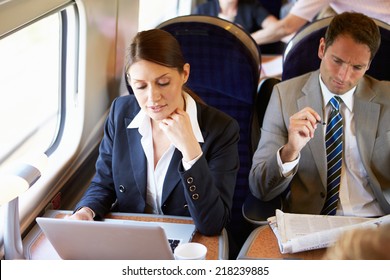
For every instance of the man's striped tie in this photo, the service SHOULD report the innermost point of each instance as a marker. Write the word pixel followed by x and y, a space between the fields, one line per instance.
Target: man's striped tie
pixel 334 152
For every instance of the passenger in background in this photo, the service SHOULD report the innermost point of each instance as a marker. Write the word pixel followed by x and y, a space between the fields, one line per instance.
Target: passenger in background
pixel 362 244
pixel 286 7
pixel 327 11
pixel 164 151
pixel 248 14
pixel 292 157
pixel 304 11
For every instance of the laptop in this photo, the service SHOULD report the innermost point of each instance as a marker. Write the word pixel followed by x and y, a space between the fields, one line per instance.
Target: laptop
pixel 113 239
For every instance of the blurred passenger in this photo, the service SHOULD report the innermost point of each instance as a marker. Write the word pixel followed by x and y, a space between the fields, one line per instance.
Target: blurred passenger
pixel 362 244
pixel 163 152
pixel 294 156
pixel 327 11
pixel 304 11
pixel 248 14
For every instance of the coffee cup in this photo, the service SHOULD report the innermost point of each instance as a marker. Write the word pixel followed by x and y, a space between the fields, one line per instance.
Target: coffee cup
pixel 190 251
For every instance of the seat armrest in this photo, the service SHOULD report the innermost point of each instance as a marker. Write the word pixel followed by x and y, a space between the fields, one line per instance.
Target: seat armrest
pixel 256 211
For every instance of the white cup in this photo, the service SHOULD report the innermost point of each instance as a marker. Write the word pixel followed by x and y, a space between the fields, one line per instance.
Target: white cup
pixel 190 251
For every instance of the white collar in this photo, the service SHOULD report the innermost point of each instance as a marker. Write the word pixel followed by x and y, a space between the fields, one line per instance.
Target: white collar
pixel 142 120
pixel 346 97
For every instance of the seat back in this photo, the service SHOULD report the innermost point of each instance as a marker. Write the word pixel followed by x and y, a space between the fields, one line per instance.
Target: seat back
pixel 263 96
pixel 225 70
pixel 254 210
pixel 301 54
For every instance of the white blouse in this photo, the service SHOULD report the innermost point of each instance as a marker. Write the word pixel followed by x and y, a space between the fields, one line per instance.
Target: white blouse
pixel 156 176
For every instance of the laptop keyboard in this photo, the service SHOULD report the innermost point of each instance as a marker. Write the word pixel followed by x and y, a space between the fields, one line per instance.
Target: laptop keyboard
pixel 173 243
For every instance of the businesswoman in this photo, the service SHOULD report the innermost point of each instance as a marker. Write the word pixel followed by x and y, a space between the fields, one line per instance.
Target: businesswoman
pixel 163 150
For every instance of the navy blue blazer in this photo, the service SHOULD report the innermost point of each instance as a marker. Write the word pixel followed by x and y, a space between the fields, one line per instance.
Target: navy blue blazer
pixel 204 192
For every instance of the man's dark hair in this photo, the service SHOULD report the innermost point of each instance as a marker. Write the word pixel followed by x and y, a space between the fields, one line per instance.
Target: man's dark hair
pixel 360 27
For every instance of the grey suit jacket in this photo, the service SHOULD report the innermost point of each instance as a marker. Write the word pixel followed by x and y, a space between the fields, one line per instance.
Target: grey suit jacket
pixel 308 185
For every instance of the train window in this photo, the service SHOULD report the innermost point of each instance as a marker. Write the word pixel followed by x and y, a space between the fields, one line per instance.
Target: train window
pixel 153 12
pixel 29 88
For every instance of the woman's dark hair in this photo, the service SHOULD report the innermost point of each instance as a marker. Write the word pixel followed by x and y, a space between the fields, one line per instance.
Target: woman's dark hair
pixel 158 46
pixel 360 27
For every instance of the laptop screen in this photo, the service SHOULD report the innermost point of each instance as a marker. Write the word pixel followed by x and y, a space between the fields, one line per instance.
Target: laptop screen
pixel 113 239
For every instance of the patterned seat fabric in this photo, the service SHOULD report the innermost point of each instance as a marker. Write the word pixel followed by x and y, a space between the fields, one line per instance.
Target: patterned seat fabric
pixel 225 74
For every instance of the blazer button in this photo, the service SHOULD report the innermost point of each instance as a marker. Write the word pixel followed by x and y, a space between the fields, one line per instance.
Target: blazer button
pixel 190 180
pixel 185 206
pixel 192 188
pixel 122 188
pixel 195 196
pixel 322 194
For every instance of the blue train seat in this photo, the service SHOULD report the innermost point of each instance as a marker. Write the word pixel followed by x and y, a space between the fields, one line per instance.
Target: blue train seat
pixel 225 70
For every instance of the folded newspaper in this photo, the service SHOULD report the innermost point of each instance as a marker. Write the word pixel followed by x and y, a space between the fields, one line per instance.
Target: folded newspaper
pixel 303 232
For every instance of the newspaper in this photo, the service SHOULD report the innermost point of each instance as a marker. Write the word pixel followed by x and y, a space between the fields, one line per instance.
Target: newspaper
pixel 303 232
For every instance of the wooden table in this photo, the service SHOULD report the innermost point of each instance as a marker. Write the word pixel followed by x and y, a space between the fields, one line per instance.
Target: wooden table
pixel 262 244
pixel 37 246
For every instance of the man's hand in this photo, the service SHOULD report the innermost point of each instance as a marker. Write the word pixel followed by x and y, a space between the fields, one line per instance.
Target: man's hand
pixel 301 129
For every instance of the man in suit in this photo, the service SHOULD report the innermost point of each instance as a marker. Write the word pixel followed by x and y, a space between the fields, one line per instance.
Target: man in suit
pixel 291 158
